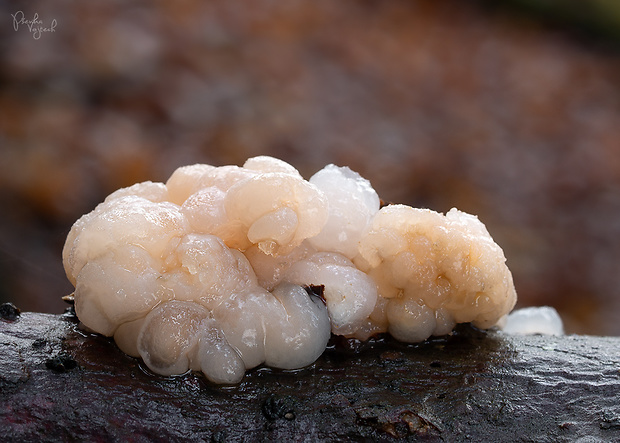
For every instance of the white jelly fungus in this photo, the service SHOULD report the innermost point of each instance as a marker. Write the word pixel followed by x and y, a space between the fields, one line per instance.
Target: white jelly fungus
pixel 543 320
pixel 213 270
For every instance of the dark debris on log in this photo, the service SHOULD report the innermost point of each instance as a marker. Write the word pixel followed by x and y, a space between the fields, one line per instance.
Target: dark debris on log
pixel 60 383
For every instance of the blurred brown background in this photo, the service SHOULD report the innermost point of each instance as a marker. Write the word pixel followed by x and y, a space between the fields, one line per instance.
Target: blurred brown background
pixel 508 109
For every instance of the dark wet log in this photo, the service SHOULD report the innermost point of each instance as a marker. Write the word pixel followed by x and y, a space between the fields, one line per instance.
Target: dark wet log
pixel 58 383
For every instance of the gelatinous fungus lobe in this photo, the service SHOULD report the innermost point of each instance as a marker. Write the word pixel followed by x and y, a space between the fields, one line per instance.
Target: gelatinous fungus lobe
pixel 208 271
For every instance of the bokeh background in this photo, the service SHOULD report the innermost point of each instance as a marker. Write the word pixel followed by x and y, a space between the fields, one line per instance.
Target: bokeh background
pixel 506 109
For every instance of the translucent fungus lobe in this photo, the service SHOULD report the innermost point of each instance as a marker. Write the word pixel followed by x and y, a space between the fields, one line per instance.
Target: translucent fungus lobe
pixel 435 271
pixel 350 294
pixel 533 320
pixel 207 271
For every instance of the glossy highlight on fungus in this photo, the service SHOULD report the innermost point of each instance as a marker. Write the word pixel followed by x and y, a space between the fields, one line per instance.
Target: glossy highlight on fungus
pixel 209 271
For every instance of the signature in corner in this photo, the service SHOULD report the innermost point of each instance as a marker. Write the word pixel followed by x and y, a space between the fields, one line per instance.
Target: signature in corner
pixel 35 26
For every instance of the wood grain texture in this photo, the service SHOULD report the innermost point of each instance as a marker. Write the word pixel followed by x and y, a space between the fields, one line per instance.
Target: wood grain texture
pixel 59 383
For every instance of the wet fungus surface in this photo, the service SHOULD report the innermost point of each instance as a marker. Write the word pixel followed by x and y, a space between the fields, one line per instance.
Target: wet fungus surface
pixel 210 271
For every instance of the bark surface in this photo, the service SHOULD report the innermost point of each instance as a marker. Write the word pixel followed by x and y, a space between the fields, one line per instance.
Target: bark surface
pixel 60 383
